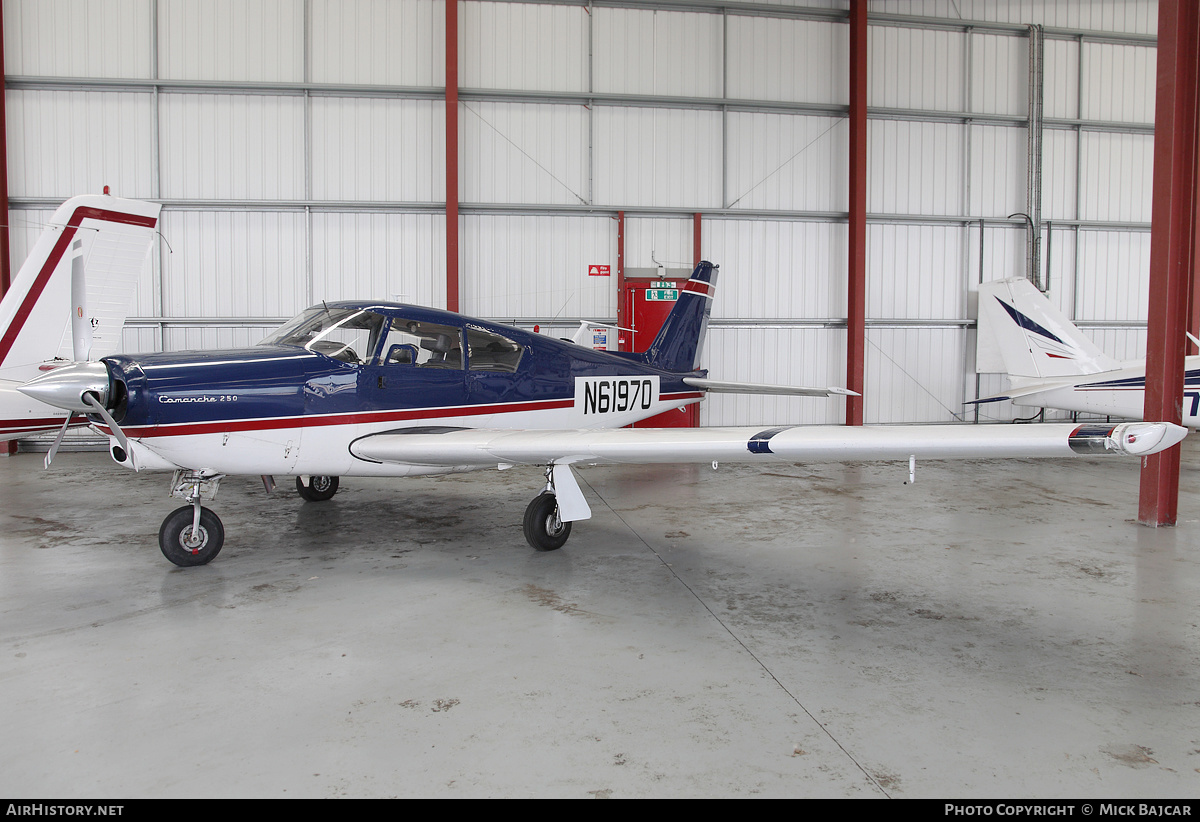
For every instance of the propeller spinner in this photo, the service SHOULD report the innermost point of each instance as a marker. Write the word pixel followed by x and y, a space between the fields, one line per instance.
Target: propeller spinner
pixel 82 387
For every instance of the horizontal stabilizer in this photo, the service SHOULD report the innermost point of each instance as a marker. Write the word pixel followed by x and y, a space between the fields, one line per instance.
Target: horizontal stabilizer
pixel 1019 391
pixel 479 447
pixel 719 387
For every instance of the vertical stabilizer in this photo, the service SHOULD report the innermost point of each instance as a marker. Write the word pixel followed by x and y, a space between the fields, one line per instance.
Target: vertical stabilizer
pixel 681 338
pixel 104 242
pixel 1023 335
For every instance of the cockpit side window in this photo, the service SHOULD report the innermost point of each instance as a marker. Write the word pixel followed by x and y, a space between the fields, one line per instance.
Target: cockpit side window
pixel 346 334
pixel 490 351
pixel 420 344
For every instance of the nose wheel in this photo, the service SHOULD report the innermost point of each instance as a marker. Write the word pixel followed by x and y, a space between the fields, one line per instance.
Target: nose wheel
pixel 189 540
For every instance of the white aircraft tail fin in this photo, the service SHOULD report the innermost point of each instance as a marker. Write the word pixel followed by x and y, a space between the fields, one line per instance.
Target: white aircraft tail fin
pixel 1023 335
pixel 71 296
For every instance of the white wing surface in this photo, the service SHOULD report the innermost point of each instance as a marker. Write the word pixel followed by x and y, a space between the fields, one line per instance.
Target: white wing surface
pixel 484 447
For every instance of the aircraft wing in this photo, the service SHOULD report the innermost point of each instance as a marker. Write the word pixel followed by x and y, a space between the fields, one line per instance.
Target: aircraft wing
pixel 721 387
pixel 480 447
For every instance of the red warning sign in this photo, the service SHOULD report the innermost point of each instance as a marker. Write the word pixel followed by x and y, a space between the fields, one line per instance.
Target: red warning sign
pixel 599 271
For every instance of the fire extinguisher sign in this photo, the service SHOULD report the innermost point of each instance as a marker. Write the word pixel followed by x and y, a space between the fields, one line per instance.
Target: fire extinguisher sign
pixel 599 271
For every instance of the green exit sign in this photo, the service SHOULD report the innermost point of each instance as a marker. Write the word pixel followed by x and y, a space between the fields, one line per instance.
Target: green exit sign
pixel 664 294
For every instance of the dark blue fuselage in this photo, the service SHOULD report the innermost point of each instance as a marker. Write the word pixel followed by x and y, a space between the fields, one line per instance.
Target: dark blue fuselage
pixel 286 381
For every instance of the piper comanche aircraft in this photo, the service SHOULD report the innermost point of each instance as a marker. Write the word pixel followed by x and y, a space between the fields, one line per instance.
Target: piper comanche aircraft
pixel 1051 364
pixel 361 388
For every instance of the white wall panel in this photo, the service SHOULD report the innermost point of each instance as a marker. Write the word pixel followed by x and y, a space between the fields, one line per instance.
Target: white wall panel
pixel 1119 82
pixel 998 171
pixel 657 157
pixel 1116 171
pixel 915 68
pixel 781 355
pixel 24 227
pixel 914 374
pixel 251 40
pixel 378 149
pixel 68 38
pixel 62 143
pixel 538 266
pixel 663 241
pixel 213 337
pixel 777 269
pixel 139 339
pixel 1058 256
pixel 651 51
pixel 798 61
pixel 1114 276
pixel 233 264
pixel 916 272
pixel 1003 251
pixel 378 42
pixel 916 167
pixel 1060 78
pixel 1133 16
pixel 1060 161
pixel 787 162
pixel 999 74
pixel 232 146
pixel 1121 343
pixel 394 257
pixel 524 153
pixel 524 46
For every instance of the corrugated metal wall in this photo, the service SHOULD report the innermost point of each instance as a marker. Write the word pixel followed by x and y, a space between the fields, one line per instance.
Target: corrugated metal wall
pixel 299 149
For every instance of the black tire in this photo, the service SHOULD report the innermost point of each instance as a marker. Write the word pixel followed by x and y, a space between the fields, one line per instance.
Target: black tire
pixel 318 489
pixel 173 537
pixel 543 529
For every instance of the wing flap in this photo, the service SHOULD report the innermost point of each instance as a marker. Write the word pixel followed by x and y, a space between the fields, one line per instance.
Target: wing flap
pixel 486 447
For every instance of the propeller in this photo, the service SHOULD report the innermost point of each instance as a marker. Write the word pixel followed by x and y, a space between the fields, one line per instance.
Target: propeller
pixel 62 432
pixel 82 388
pixel 81 321
pixel 81 330
pixel 91 400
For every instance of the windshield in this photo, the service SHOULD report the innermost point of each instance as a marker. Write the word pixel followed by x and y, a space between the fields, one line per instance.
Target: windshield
pixel 346 334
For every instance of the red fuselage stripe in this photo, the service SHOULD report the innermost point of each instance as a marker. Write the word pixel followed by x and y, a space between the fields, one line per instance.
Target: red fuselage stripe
pixel 366 417
pixel 39 284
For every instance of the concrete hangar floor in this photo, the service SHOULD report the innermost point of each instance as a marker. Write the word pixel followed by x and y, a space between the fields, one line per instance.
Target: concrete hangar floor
pixel 998 629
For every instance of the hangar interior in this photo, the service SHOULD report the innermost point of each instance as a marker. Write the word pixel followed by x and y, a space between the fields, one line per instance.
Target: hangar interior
pixel 824 630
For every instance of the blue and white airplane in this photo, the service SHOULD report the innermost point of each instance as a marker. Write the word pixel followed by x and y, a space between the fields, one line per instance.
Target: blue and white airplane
pixel 362 388
pixel 1051 364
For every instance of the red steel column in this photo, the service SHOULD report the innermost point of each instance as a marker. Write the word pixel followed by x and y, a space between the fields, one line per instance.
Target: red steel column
pixel 452 155
pixel 696 239
pixel 1172 245
pixel 856 291
pixel 10 447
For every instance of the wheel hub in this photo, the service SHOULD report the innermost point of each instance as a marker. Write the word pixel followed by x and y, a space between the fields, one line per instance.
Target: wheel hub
pixel 193 540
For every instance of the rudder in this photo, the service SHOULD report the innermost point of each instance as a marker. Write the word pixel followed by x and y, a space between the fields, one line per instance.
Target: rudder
pixel 681 338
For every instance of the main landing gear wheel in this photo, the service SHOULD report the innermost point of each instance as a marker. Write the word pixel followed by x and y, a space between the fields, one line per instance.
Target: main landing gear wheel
pixel 185 548
pixel 318 489
pixel 543 529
